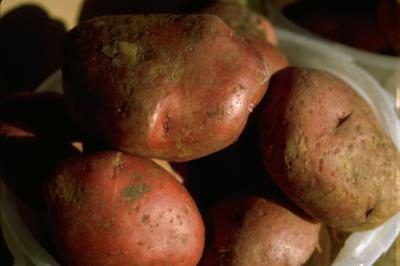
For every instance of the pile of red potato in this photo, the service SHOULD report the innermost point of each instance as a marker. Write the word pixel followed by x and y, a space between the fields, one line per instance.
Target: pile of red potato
pixel 269 155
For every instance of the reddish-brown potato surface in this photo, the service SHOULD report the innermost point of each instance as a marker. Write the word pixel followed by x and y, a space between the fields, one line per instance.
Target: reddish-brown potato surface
pixel 251 230
pixel 256 29
pixel 243 20
pixel 162 86
pixel 323 146
pixel 275 58
pixel 322 255
pixel 109 208
pixel 389 22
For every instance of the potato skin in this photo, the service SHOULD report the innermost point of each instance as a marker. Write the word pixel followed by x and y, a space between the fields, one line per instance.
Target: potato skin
pixel 255 28
pixel 110 208
pixel 252 230
pixel 323 146
pixel 162 86
pixel 275 58
pixel 243 20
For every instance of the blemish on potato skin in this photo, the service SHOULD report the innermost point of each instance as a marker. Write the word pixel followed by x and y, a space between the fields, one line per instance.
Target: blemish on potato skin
pixel 106 225
pixel 135 191
pixel 67 190
pixel 145 219
pixel 166 125
pixel 321 165
pixel 109 51
pixel 138 177
pixel 117 164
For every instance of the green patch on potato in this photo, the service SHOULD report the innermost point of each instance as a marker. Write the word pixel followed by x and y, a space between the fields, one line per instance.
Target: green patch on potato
pixel 68 190
pixel 135 191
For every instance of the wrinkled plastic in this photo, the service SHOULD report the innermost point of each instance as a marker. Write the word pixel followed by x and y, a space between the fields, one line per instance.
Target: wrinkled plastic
pixel 24 247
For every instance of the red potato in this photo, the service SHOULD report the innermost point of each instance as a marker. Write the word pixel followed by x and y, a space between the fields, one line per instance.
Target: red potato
pixel 276 59
pixel 255 28
pixel 162 86
pixel 110 208
pixel 323 146
pixel 91 147
pixel 322 255
pixel 243 20
pixel 251 230
pixel 8 130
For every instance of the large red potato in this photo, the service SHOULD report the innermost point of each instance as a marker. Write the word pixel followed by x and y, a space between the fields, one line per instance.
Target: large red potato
pixel 162 86
pixel 324 147
pixel 110 208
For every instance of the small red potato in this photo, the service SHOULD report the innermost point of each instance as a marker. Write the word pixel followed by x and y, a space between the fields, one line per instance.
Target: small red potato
pixel 110 208
pixel 172 87
pixel 251 230
pixel 324 148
